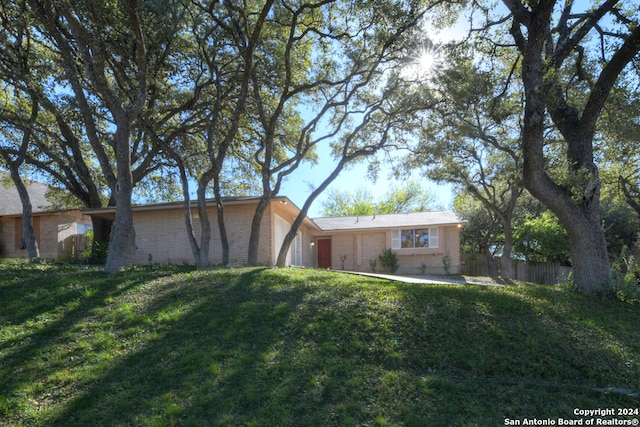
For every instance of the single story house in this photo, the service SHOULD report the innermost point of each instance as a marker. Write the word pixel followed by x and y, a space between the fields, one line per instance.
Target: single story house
pixel 59 233
pixel 425 242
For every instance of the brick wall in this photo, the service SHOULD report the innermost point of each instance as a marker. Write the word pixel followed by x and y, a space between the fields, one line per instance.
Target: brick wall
pixel 371 246
pixel 56 234
pixel 343 245
pixel 161 235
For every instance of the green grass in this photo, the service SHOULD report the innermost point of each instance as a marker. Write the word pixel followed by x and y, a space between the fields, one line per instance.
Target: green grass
pixel 291 347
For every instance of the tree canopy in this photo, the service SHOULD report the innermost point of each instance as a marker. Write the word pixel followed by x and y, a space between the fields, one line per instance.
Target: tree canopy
pixel 410 197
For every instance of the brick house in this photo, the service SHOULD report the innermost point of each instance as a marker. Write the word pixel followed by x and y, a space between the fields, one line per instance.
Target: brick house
pixel 60 234
pixel 423 241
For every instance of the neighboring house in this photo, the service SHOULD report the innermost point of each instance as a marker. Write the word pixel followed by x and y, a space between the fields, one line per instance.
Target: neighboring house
pixel 10 199
pixel 423 242
pixel 60 234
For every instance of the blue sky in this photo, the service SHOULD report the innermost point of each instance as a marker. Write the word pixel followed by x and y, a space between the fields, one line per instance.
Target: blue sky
pixel 297 186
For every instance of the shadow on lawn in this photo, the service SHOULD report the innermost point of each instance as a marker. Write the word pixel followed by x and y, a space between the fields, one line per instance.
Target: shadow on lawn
pixel 50 302
pixel 267 347
pixel 203 362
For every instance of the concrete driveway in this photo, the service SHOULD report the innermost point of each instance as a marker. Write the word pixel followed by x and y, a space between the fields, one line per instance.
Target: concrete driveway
pixel 458 280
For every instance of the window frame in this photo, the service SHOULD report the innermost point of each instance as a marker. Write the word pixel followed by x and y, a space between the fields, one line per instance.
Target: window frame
pixel 398 241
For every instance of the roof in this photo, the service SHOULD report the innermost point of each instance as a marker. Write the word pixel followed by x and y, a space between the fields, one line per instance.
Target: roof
pixel 413 219
pixel 110 210
pixel 10 203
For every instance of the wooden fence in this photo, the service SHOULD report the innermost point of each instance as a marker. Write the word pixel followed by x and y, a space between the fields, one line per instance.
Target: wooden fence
pixel 545 273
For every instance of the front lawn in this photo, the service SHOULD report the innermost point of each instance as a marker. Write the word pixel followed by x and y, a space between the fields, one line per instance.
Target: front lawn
pixel 159 346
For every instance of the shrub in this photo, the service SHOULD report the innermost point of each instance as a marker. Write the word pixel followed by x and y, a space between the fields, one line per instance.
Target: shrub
pixel 625 287
pixel 97 255
pixel 446 263
pixel 625 278
pixel 389 260
pixel 423 268
pixel 342 259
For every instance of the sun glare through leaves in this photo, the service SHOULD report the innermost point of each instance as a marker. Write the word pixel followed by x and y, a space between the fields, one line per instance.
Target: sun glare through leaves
pixel 423 66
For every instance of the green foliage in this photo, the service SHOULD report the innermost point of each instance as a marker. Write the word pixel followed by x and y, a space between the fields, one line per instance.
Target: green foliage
pixel 389 260
pixel 621 226
pixel 96 252
pixel 625 287
pixel 299 347
pixel 482 231
pixel 339 203
pixel 411 197
pixel 625 280
pixel 542 239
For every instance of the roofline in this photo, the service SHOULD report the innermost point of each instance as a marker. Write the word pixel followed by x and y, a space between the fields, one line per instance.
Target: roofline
pixel 180 204
pixel 41 213
pixel 356 218
pixel 391 227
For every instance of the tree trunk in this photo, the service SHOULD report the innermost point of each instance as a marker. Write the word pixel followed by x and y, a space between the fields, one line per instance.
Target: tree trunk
pixel 288 239
pixel 491 265
pixel 581 218
pixel 28 233
pixel 122 245
pixel 506 262
pixel 205 226
pixel 224 240
pixel 590 258
pixel 254 239
pixel 188 219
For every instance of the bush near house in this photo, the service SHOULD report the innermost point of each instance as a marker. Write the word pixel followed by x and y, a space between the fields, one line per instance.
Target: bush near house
pixel 389 261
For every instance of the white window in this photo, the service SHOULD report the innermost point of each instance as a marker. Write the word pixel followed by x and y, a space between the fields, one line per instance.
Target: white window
pixel 395 239
pixel 414 238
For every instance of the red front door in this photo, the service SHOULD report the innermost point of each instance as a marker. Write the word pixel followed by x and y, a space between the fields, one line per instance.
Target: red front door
pixel 324 253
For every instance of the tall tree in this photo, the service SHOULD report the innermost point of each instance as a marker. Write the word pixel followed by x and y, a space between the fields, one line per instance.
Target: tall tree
pixel 245 31
pixel 202 129
pixel 554 38
pixel 109 54
pixel 471 137
pixel 57 147
pixel 331 54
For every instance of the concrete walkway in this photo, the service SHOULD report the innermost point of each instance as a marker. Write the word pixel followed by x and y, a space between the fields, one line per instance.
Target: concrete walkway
pixel 439 280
